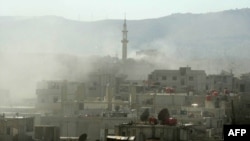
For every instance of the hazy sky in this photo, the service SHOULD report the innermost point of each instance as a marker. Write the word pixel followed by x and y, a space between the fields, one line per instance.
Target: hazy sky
pixel 92 10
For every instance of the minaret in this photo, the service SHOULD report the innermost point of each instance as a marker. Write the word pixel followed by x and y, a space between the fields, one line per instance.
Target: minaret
pixel 124 41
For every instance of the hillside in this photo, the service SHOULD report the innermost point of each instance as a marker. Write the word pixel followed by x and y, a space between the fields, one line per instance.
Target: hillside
pixel 210 41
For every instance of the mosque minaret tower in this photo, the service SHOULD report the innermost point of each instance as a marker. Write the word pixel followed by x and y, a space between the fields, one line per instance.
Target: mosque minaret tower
pixel 124 41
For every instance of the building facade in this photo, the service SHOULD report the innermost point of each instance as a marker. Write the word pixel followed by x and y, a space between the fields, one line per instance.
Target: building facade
pixel 182 80
pixel 59 97
pixel 16 128
pixel 221 82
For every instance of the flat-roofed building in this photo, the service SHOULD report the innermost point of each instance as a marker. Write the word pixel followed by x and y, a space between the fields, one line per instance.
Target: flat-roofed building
pixel 221 82
pixel 182 80
pixel 16 128
pixel 59 97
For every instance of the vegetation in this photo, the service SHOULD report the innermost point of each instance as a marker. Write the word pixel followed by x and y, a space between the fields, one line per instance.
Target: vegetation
pixel 163 115
pixel 145 115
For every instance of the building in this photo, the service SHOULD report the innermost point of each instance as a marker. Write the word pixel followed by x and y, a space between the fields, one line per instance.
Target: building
pixel 16 128
pixel 98 81
pixel 95 127
pixel 238 109
pixel 59 97
pixel 143 132
pixel 46 133
pixel 243 85
pixel 221 82
pixel 182 80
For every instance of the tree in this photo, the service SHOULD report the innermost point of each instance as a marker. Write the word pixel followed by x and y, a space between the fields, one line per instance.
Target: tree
pixel 163 115
pixel 83 137
pixel 144 116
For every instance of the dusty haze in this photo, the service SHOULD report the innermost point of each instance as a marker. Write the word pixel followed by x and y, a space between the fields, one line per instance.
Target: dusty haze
pixel 53 48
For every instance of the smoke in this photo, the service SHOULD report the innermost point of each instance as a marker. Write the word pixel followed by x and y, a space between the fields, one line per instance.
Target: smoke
pixel 52 48
pixel 21 71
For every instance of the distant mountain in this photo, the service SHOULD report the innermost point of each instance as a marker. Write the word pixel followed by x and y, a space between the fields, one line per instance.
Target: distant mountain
pixel 189 35
pixel 210 41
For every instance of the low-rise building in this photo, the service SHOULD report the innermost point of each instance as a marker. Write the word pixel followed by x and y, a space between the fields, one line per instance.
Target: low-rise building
pixel 182 80
pixel 95 127
pixel 143 132
pixel 46 133
pixel 221 82
pixel 59 97
pixel 16 128
pixel 244 84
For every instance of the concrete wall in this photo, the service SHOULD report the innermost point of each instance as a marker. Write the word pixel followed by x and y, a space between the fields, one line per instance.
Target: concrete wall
pixel 75 126
pixel 157 132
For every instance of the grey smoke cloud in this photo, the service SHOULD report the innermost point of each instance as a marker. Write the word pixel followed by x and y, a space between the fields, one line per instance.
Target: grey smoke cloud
pixel 45 48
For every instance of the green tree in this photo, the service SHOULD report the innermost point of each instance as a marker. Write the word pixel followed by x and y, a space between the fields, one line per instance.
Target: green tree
pixel 163 115
pixel 145 115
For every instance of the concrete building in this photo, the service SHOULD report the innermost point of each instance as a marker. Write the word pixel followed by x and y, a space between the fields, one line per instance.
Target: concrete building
pixel 46 133
pixel 59 97
pixel 154 132
pixel 220 82
pixel 243 85
pixel 182 80
pixel 16 128
pixel 238 109
pixel 98 81
pixel 156 102
pixel 95 127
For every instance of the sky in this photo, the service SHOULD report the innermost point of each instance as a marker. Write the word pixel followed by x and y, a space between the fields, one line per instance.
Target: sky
pixel 94 10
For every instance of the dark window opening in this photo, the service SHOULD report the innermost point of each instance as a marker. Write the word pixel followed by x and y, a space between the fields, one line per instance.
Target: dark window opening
pixel 81 106
pixel 191 78
pixel 182 82
pixel 174 78
pixel 164 78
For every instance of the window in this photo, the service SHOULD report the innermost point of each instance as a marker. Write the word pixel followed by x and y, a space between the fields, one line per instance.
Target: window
pixel 182 82
pixel 191 78
pixel 174 78
pixel 242 87
pixel 225 79
pixel 29 124
pixel 55 99
pixel 248 105
pixel 8 131
pixel 133 132
pixel 92 88
pixel 164 78
pixel 81 106
pixel 150 77
pixel 191 87
pixel 135 83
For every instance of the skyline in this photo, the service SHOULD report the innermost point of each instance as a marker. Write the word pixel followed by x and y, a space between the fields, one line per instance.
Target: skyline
pixel 86 10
